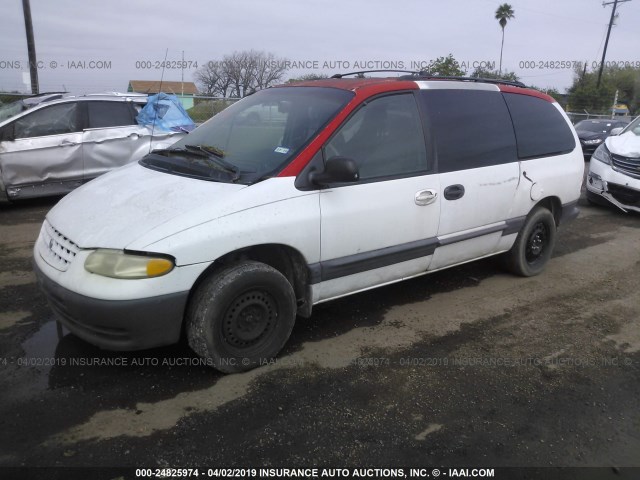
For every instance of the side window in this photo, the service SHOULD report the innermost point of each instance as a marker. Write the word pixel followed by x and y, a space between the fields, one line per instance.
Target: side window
pixel 384 137
pixel 109 114
pixel 51 120
pixel 540 128
pixel 472 128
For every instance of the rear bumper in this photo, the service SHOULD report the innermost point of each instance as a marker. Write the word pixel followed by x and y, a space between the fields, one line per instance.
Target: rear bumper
pixel 116 324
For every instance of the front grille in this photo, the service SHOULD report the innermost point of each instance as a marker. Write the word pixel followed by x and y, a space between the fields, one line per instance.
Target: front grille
pixel 626 165
pixel 56 249
pixel 625 195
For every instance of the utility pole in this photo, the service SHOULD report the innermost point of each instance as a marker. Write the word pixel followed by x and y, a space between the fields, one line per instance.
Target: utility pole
pixel 31 47
pixel 606 42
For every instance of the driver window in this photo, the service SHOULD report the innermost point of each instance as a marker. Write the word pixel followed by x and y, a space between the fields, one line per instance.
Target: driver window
pixel 384 137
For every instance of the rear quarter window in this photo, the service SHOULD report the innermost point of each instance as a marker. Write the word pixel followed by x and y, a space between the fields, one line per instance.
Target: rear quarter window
pixel 540 128
pixel 110 114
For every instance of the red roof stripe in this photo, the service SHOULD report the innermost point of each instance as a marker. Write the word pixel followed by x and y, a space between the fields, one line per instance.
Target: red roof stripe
pixel 525 91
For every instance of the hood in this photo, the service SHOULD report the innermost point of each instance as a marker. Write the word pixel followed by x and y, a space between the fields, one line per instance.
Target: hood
pixel 627 145
pixel 117 208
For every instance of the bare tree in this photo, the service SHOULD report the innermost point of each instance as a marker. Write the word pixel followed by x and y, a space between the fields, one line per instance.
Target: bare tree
pixel 269 70
pixel 241 73
pixel 212 79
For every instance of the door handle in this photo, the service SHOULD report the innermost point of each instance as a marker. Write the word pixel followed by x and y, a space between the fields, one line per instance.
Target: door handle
pixel 67 143
pixel 425 197
pixel 454 192
pixel 134 136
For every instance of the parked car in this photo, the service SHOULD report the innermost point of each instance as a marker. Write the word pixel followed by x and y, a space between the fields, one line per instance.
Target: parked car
pixel 353 184
pixel 614 172
pixel 59 144
pixel 593 132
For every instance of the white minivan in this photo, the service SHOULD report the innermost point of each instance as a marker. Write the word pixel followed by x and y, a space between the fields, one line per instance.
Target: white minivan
pixel 301 194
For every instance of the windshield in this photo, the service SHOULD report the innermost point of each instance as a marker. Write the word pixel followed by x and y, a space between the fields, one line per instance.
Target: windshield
pixel 257 136
pixel 594 126
pixel 634 127
pixel 11 109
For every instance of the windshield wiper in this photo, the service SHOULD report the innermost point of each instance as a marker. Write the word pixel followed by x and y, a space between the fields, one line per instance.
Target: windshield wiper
pixel 179 167
pixel 216 156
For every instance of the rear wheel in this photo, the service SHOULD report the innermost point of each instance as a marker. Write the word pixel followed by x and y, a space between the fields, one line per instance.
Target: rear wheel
pixel 534 244
pixel 241 316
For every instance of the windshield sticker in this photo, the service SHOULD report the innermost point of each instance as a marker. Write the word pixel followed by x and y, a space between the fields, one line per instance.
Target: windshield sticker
pixel 281 150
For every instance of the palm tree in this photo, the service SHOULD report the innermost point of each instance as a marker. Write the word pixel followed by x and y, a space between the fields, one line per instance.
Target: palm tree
pixel 503 13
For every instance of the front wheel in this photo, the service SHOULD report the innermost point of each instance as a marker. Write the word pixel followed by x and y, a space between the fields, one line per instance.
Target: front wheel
pixel 241 316
pixel 534 245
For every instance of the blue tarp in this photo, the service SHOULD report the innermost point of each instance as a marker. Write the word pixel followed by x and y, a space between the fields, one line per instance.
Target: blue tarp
pixel 164 112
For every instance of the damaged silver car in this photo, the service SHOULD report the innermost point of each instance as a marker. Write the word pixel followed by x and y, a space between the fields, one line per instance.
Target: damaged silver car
pixel 58 145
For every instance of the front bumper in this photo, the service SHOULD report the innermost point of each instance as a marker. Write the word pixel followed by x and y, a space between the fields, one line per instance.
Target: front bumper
pixel 117 324
pixel 617 188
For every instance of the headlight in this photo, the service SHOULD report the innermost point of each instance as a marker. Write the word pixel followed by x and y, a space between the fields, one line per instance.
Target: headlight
pixel 602 154
pixel 118 264
pixel 595 141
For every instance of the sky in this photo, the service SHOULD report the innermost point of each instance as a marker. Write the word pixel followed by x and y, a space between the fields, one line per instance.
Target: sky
pixel 93 46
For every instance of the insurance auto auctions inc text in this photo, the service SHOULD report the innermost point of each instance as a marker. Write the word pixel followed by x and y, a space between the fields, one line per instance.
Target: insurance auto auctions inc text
pixel 374 472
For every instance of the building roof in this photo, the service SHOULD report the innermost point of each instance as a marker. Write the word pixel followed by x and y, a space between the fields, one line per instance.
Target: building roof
pixel 152 86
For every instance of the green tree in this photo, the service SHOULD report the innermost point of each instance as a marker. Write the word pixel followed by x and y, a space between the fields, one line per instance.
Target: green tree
pixel 481 72
pixel 584 94
pixel 446 67
pixel 503 13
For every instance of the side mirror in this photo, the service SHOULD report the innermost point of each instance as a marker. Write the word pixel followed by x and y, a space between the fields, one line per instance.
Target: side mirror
pixel 336 170
pixel 616 131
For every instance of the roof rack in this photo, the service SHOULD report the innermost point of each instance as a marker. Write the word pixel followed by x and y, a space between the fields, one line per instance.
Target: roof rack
pixel 424 75
pixel 341 75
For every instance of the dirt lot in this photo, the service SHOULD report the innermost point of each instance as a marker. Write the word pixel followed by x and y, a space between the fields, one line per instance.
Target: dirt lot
pixel 469 367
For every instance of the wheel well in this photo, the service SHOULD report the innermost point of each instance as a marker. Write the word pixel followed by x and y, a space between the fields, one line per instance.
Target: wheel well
pixel 554 205
pixel 287 260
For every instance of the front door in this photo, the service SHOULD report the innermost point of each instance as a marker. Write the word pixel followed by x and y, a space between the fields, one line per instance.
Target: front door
pixel 382 228
pixel 41 152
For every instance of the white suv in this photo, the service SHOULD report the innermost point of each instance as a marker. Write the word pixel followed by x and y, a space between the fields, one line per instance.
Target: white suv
pixel 334 187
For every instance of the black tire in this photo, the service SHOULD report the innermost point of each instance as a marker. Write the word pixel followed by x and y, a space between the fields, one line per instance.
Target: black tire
pixel 534 244
pixel 241 316
pixel 595 199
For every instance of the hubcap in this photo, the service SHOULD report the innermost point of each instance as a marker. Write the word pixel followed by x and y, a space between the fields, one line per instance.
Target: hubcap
pixel 249 318
pixel 537 242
